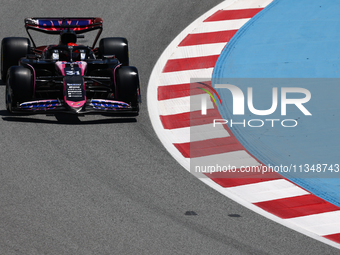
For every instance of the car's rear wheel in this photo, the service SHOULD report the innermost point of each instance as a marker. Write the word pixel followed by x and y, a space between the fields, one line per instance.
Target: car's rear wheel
pixel 19 86
pixel 12 50
pixel 117 46
pixel 128 88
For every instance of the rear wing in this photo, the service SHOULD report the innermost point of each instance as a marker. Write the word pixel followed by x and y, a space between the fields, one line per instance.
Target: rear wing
pixel 56 25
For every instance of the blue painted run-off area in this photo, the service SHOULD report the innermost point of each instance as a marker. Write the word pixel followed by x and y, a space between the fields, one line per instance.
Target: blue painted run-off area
pixel 290 39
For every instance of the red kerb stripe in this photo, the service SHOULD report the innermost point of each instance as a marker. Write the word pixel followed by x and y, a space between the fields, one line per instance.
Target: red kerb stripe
pixel 334 237
pixel 233 14
pixel 174 65
pixel 179 90
pixel 188 119
pixel 241 177
pixel 208 147
pixel 297 206
pixel 207 38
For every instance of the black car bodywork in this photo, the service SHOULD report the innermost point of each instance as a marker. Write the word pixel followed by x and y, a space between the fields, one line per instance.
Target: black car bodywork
pixel 68 77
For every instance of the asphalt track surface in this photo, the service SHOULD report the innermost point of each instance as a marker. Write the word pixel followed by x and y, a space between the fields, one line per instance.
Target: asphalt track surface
pixel 101 185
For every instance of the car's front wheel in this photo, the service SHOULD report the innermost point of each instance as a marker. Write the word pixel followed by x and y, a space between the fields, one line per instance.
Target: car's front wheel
pixel 19 86
pixel 128 88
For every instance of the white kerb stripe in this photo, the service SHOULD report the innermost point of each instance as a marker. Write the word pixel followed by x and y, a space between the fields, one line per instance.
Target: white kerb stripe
pixel 196 133
pixel 322 224
pixel 208 131
pixel 234 159
pixel 198 51
pixel 182 105
pixel 240 5
pixel 173 78
pixel 218 26
pixel 268 190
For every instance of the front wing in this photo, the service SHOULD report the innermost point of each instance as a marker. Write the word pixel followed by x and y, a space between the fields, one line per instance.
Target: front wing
pixel 111 107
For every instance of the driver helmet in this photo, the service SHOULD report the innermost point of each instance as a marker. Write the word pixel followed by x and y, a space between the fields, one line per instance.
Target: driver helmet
pixel 68 36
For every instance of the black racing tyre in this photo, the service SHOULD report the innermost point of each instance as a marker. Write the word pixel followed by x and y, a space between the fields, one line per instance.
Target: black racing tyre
pixel 12 50
pixel 128 88
pixel 117 46
pixel 19 86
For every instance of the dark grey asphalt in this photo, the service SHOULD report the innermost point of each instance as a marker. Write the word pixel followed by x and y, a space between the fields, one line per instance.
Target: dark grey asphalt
pixel 98 185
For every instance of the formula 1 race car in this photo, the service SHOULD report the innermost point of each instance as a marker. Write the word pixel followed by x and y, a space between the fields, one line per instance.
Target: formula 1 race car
pixel 68 77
